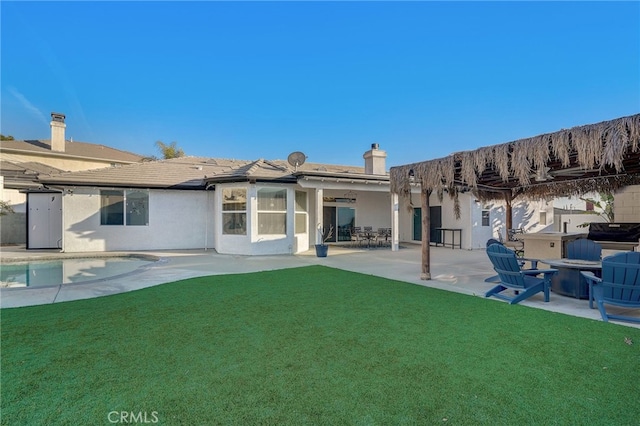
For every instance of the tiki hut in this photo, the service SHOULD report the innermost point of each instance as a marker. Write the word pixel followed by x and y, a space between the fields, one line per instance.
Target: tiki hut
pixel 601 157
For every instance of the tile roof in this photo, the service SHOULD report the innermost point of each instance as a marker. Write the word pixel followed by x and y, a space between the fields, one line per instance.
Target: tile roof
pixel 197 172
pixel 29 168
pixel 23 175
pixel 72 149
pixel 184 173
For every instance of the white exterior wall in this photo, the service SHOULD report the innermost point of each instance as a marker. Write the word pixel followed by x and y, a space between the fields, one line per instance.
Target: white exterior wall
pixel 254 243
pixel 177 220
pixel 626 205
pixel 574 220
pixel 474 235
pixel 526 214
pixel 479 233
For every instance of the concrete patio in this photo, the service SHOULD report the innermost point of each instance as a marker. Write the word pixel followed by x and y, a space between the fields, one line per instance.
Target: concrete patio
pixel 460 271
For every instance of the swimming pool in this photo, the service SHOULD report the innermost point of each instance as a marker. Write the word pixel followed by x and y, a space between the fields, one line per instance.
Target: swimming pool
pixel 43 273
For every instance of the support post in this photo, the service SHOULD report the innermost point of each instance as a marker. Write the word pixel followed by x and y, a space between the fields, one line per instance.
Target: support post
pixel 319 214
pixel 508 213
pixel 395 222
pixel 426 235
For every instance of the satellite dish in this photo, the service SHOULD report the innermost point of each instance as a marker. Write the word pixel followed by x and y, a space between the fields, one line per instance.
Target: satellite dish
pixel 296 159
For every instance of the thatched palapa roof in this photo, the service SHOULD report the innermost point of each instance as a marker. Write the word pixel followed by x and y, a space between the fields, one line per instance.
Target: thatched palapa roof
pixel 596 157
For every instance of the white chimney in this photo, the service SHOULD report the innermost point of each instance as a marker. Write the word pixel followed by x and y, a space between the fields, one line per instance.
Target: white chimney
pixel 374 161
pixel 57 132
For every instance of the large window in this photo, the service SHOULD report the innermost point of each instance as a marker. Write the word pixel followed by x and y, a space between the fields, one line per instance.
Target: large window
pixel 234 211
pixel 272 211
pixel 129 208
pixel 301 212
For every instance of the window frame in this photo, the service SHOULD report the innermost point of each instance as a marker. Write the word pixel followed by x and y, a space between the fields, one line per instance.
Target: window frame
pixel 239 215
pixel 301 215
pixel 126 209
pixel 263 212
pixel 485 218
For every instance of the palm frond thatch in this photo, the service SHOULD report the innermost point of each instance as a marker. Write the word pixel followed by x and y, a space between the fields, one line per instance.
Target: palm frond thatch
pixel 490 171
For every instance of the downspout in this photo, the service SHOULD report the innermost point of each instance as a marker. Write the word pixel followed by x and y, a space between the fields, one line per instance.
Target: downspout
pixel 206 215
pixel 61 241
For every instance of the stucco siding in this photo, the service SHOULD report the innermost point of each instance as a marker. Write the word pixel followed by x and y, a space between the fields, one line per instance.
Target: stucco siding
pixel 177 220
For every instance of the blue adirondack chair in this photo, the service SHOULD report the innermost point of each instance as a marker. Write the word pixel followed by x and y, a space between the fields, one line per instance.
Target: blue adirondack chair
pixel 495 278
pixel 521 262
pixel 584 249
pixel 524 282
pixel 619 285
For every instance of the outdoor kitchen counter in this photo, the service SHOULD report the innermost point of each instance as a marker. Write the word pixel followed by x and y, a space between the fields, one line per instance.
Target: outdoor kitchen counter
pixel 548 245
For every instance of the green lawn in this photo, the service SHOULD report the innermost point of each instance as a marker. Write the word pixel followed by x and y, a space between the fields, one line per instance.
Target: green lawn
pixel 313 345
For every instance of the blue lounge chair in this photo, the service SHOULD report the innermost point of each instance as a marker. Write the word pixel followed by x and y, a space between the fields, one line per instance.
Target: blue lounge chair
pixel 524 282
pixel 584 249
pixel 619 285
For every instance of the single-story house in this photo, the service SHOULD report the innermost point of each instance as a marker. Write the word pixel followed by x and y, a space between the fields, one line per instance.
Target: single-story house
pixel 249 207
pixel 236 206
pixel 232 206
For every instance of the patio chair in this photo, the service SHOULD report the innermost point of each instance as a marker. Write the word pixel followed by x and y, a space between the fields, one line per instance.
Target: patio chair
pixel 356 236
pixel 584 249
pixel 521 262
pixel 382 237
pixel 513 242
pixel 524 282
pixel 619 285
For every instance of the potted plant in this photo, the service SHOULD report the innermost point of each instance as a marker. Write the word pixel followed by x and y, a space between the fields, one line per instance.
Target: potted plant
pixel 322 249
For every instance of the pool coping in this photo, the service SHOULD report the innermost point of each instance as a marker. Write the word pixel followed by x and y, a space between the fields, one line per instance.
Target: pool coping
pixel 61 256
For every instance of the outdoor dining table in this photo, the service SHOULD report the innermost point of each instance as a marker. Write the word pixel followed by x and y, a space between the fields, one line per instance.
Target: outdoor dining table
pixel 568 281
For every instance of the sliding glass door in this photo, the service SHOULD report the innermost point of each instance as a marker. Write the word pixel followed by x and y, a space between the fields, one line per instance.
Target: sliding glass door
pixel 342 219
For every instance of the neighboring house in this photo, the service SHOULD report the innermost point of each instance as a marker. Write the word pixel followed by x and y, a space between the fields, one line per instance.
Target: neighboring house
pixel 22 161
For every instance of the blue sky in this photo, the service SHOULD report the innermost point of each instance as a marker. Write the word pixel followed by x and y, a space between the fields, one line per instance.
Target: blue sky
pixel 250 80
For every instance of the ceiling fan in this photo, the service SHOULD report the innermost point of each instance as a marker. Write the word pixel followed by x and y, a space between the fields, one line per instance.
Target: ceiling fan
pixel 544 174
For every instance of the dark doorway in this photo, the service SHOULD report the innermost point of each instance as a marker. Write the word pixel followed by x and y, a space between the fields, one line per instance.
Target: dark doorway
pixel 436 222
pixel 417 224
pixel 343 220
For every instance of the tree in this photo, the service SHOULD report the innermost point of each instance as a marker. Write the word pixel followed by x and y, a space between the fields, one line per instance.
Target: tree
pixel 5 208
pixel 603 207
pixel 169 151
pixel 6 138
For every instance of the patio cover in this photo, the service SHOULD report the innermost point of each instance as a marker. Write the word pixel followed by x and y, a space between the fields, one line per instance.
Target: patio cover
pixel 595 157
